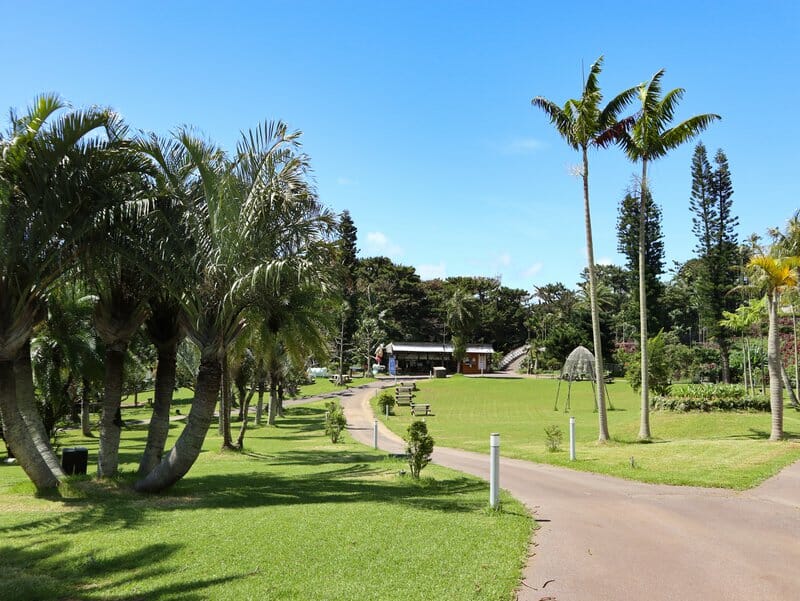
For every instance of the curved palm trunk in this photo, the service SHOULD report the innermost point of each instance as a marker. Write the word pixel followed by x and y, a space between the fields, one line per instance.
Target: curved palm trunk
pixel 110 422
pixel 162 401
pixel 243 428
pixel 26 403
pixel 599 372
pixel 773 364
pixel 20 440
pixel 182 456
pixel 644 424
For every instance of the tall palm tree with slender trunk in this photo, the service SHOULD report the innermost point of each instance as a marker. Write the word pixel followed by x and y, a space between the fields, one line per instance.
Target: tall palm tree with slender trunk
pixel 583 123
pixel 772 275
pixel 651 138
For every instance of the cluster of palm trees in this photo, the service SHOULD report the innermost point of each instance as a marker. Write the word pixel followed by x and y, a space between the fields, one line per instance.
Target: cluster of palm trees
pixel 173 234
pixel 644 136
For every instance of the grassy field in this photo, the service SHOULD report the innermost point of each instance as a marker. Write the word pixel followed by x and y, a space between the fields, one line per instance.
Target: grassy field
pixel 294 517
pixel 727 450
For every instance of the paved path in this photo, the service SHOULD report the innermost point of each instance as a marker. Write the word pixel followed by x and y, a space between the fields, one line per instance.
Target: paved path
pixel 608 539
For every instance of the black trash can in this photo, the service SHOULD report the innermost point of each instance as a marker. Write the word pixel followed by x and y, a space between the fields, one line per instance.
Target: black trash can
pixel 74 460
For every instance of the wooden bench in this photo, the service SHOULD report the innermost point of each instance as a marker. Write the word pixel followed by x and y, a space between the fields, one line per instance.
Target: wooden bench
pixel 420 407
pixel 403 398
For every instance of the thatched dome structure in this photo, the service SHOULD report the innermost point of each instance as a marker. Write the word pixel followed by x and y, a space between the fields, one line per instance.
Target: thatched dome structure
pixel 579 365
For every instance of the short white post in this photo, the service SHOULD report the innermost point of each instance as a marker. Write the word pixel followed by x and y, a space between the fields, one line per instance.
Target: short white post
pixel 572 438
pixel 494 471
pixel 387 409
pixel 375 434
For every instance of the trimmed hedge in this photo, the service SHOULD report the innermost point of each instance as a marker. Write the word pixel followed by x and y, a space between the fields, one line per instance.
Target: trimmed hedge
pixel 709 397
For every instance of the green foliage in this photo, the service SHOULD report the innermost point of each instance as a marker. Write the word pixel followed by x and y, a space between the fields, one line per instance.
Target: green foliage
pixel 419 447
pixel 553 437
pixel 335 421
pixel 386 399
pixel 709 397
pixel 658 366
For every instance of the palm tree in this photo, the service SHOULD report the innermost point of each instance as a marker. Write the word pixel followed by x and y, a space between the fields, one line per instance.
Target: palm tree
pixel 460 317
pixel 53 172
pixel 254 221
pixel 772 275
pixel 742 320
pixel 651 138
pixel 583 123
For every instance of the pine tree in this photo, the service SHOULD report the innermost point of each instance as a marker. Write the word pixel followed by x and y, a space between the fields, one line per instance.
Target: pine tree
pixel 628 244
pixel 717 248
pixel 348 237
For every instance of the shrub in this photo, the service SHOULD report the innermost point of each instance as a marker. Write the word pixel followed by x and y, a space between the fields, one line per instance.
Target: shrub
pixel 386 399
pixel 419 447
pixel 709 397
pixel 335 420
pixel 553 436
pixel 658 366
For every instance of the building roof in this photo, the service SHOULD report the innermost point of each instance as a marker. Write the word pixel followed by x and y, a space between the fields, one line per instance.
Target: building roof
pixel 434 347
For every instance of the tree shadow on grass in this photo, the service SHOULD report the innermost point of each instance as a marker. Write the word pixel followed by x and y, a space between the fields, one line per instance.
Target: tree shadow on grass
pixel 353 482
pixel 44 569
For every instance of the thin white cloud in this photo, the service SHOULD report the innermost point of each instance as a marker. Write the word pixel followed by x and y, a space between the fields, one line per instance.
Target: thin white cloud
pixel 432 272
pixel 533 270
pixel 346 181
pixel 523 146
pixel 379 243
pixel 605 261
pixel 504 260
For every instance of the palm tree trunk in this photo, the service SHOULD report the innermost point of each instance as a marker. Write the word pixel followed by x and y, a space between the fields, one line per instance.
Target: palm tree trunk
pixel 725 360
pixel 599 372
pixel 787 384
pixel 644 425
pixel 796 364
pixel 86 424
pixel 182 456
pixel 273 401
pixel 26 404
pixel 260 406
pixel 162 401
pixel 110 424
pixel 773 363
pixel 243 428
pixel 225 407
pixel 19 439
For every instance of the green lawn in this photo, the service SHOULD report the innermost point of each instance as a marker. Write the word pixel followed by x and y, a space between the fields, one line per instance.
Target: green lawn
pixel 710 449
pixel 294 517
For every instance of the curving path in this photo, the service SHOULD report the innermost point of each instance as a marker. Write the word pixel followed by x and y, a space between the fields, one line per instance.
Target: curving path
pixel 608 539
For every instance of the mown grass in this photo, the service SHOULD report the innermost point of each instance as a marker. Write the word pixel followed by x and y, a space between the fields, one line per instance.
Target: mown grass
pixel 728 450
pixel 292 517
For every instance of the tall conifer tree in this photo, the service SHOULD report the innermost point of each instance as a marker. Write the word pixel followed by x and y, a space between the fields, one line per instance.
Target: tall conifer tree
pixel 717 246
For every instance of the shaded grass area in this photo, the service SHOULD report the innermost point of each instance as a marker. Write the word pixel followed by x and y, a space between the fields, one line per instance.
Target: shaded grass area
pixel 728 450
pixel 291 517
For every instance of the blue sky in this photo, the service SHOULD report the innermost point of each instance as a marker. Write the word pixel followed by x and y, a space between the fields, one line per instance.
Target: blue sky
pixel 417 115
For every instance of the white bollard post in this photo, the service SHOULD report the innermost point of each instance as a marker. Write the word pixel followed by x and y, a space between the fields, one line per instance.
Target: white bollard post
pixel 375 434
pixel 387 409
pixel 494 471
pixel 572 438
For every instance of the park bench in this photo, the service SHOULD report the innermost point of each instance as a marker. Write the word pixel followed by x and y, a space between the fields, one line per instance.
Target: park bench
pixel 403 398
pixel 415 407
pixel 337 379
